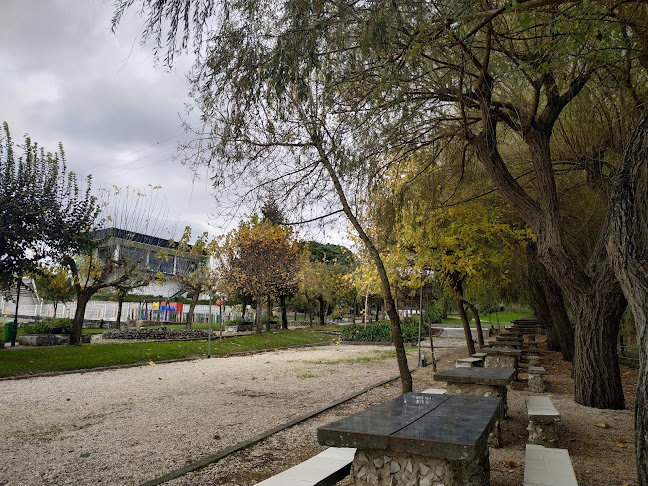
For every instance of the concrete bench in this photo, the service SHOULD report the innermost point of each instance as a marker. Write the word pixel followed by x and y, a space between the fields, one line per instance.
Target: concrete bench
pixel 543 421
pixel 536 381
pixel 325 469
pixel 548 467
pixel 469 362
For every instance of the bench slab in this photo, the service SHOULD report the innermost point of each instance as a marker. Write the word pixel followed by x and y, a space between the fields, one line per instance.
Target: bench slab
pixel 545 466
pixel 540 409
pixel 325 469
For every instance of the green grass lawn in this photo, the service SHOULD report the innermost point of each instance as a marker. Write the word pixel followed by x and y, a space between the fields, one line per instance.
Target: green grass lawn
pixel 505 318
pixel 63 358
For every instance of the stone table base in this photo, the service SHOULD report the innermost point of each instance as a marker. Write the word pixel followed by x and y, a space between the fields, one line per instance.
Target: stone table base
pixel 391 468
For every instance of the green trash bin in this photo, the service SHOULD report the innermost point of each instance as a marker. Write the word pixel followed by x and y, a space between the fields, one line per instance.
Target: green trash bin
pixel 8 331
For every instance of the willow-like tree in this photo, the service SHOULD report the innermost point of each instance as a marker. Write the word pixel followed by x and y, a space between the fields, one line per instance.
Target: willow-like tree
pixel 270 123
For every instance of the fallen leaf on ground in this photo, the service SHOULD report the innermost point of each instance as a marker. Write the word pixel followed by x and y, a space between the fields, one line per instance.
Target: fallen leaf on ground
pixel 217 437
pixel 151 363
pixel 510 464
pixel 622 446
pixel 602 425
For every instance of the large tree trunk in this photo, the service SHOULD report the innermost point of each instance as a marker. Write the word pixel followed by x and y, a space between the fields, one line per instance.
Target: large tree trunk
pixel 284 313
pixel 77 324
pixel 549 306
pixel 597 378
pixel 475 313
pixel 539 298
pixel 560 324
pixel 627 248
pixel 596 371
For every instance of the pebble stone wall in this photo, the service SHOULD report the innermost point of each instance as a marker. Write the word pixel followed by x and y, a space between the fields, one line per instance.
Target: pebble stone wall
pixel 544 434
pixel 501 361
pixel 536 383
pixel 376 467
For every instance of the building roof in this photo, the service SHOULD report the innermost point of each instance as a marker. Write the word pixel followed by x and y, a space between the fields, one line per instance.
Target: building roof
pixel 135 237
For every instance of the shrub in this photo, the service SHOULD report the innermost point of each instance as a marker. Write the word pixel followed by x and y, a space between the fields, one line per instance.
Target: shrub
pixel 37 328
pixel 51 325
pixel 433 313
pixel 381 332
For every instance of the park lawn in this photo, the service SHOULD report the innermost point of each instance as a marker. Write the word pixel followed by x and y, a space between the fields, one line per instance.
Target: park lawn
pixel 505 318
pixel 65 358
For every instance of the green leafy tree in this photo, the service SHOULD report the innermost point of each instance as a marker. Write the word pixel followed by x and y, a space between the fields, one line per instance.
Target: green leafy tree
pixel 256 258
pixel 55 285
pixel 44 213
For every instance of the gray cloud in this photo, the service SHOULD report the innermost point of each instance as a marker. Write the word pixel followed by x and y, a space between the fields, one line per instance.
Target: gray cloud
pixel 65 77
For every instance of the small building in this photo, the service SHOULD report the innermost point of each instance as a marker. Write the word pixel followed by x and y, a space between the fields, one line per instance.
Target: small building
pixel 156 255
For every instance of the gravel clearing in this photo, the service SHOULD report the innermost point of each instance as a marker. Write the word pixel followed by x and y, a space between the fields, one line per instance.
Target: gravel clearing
pixel 130 425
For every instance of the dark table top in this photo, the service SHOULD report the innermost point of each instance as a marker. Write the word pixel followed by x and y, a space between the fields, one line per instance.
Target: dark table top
pixel 496 350
pixel 444 426
pixel 477 376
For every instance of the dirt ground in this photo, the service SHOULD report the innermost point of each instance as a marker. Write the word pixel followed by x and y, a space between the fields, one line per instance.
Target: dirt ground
pixel 600 442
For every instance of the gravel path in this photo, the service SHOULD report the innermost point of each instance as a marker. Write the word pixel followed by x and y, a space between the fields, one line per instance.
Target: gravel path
pixel 131 425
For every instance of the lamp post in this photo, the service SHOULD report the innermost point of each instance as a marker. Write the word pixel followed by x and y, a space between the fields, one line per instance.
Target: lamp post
pixel 209 324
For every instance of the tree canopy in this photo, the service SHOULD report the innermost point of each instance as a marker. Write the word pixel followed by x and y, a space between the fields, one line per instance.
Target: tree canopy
pixel 44 212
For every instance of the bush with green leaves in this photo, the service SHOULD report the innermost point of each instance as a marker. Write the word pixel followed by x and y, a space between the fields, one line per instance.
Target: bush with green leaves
pixel 381 332
pixel 433 313
pixel 51 325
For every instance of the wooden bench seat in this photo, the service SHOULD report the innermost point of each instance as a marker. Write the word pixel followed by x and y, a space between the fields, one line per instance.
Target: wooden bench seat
pixel 545 466
pixel 325 469
pixel 543 421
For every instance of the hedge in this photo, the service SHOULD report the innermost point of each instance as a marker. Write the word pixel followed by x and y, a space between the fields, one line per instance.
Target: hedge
pixel 380 332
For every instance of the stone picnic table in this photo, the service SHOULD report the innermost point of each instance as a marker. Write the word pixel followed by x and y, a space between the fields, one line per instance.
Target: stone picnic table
pixel 502 357
pixel 419 438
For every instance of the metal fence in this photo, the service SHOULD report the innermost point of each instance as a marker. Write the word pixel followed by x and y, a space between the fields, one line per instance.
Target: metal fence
pixel 107 311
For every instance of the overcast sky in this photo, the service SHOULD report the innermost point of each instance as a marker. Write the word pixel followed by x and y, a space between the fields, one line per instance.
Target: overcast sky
pixel 65 77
